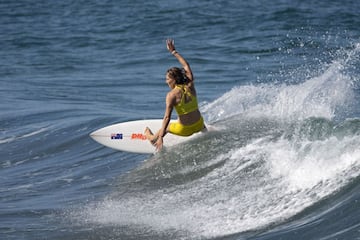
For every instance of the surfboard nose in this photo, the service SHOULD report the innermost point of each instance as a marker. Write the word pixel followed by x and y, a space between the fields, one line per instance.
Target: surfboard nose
pixel 97 134
pixel 93 134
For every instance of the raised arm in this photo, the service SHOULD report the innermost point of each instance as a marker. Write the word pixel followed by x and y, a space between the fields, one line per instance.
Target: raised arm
pixel 171 47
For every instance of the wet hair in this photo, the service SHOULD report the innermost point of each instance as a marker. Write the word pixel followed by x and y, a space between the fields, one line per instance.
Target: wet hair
pixel 178 74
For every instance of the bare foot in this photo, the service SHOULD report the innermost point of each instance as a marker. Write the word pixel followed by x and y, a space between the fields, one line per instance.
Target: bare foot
pixel 150 136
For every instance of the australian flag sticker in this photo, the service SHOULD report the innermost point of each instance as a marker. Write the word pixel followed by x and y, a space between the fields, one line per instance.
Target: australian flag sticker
pixel 116 136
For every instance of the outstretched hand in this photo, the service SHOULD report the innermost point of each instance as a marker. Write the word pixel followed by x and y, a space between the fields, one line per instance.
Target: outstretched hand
pixel 170 44
pixel 159 144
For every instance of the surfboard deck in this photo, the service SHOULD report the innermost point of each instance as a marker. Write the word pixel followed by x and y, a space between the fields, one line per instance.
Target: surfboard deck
pixel 130 137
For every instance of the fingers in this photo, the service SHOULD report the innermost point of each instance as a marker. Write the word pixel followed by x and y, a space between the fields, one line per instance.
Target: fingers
pixel 170 44
pixel 170 41
pixel 158 147
pixel 158 144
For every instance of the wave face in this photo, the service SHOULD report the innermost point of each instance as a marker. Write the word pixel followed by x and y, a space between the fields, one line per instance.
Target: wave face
pixel 279 153
pixel 279 81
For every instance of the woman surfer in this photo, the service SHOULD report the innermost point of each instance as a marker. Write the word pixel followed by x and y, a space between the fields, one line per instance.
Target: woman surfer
pixel 182 97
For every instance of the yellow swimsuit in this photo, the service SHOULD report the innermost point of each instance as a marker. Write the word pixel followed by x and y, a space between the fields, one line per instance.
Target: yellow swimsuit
pixel 187 104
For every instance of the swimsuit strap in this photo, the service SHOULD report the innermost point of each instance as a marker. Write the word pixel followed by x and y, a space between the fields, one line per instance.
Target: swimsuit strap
pixel 184 92
pixel 185 107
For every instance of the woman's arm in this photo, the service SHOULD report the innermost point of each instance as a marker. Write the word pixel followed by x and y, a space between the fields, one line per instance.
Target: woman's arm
pixel 171 47
pixel 170 98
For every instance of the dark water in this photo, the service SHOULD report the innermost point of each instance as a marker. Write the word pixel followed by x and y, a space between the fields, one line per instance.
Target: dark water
pixel 279 79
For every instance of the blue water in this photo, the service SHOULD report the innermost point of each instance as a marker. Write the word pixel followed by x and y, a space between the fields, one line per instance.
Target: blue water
pixel 279 79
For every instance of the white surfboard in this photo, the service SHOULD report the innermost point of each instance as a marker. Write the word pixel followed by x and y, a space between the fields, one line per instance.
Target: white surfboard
pixel 130 137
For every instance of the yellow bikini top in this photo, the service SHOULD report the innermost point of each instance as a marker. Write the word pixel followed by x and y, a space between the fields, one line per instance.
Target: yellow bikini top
pixel 184 107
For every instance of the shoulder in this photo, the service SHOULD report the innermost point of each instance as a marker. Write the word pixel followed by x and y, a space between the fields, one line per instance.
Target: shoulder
pixel 171 97
pixel 174 92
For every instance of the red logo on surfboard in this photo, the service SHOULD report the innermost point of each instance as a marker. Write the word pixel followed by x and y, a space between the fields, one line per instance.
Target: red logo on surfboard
pixel 138 136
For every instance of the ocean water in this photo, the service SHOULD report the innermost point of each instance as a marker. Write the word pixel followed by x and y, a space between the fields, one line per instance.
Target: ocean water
pixel 278 79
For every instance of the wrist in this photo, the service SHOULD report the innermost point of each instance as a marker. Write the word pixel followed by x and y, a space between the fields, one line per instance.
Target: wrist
pixel 161 134
pixel 173 52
